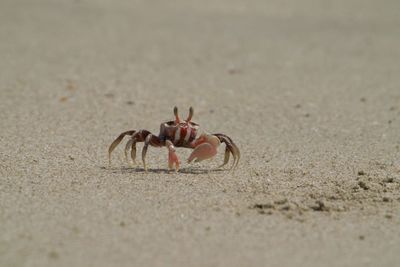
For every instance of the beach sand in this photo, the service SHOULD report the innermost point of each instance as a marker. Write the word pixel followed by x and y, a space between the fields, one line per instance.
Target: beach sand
pixel 309 91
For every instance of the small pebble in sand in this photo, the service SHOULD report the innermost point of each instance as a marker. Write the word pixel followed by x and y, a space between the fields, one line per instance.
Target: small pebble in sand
pixel 281 201
pixel 267 212
pixel 233 71
pixel 361 237
pixel 63 99
pixel 386 199
pixel 289 216
pixel 361 172
pixel 130 102
pixel 363 185
pixel 71 86
pixel 388 180
pixel 285 207
pixel 263 206
pixel 53 255
pixel 319 206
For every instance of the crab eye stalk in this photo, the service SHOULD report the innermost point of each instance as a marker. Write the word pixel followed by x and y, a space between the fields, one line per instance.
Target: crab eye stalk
pixel 177 120
pixel 191 111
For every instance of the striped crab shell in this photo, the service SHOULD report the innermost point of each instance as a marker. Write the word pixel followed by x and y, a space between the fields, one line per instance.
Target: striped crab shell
pixel 181 134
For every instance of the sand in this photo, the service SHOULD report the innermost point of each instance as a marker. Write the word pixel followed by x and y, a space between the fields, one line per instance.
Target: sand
pixel 309 91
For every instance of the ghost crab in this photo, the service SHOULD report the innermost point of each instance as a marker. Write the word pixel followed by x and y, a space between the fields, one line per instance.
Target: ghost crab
pixel 179 133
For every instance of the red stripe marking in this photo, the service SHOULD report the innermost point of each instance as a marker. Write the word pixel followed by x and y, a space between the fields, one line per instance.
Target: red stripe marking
pixel 183 134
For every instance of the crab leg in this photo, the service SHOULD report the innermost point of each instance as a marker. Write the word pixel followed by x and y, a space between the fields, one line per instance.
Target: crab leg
pixel 144 151
pixel 172 157
pixel 116 142
pixel 131 144
pixel 230 148
pixel 150 140
pixel 133 151
pixel 136 136
pixel 226 157
pixel 127 147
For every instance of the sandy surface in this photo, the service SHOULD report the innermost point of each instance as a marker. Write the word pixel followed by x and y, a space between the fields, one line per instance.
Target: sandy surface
pixel 309 90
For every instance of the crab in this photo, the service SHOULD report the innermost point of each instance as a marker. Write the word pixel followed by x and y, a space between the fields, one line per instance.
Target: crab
pixel 179 133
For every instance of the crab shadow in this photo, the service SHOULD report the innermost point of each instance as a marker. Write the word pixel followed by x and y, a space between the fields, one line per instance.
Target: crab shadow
pixel 187 170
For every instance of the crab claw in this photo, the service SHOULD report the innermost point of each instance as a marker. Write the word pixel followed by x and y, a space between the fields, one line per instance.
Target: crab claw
pixel 172 157
pixel 205 148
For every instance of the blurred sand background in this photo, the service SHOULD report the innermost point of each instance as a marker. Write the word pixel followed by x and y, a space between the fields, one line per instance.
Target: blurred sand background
pixel 309 90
